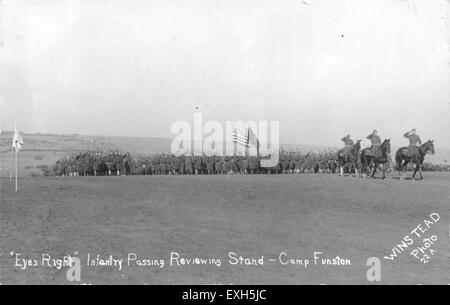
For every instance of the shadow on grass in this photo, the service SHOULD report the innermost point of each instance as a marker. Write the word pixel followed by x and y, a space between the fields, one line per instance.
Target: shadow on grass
pixel 407 178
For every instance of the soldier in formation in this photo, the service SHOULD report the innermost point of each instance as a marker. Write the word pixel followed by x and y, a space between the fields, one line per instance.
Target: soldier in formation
pixel 116 163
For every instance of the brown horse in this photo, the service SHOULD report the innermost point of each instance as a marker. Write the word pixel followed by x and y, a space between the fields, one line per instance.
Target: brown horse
pixel 351 157
pixel 369 161
pixel 403 158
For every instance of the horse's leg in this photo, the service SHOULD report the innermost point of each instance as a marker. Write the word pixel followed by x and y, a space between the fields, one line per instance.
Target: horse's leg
pixel 404 169
pixel 364 167
pixel 415 170
pixel 404 165
pixel 384 171
pixel 420 171
pixel 356 169
pixel 372 167
pixel 375 166
pixel 341 171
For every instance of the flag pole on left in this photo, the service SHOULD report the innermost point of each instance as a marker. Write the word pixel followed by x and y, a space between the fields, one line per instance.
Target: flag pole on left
pixel 12 164
pixel 16 171
pixel 17 143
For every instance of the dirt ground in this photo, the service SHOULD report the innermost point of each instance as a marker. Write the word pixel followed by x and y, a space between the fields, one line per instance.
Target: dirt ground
pixel 208 217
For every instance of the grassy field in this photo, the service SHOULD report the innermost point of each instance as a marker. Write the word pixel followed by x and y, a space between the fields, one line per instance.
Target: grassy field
pixel 210 216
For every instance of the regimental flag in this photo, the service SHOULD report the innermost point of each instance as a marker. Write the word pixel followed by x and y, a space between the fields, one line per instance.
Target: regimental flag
pixel 17 141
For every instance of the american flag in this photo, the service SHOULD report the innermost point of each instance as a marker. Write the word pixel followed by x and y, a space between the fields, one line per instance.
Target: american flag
pixel 239 138
pixel 249 140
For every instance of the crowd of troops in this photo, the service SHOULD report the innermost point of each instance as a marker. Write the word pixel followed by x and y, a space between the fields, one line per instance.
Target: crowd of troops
pixel 114 163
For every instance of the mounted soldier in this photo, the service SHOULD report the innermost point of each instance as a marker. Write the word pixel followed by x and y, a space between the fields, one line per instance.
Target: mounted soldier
pixel 414 143
pixel 376 143
pixel 348 142
pixel 370 161
pixel 413 154
pixel 349 154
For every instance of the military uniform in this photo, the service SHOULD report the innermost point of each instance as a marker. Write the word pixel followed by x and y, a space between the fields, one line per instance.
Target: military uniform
pixel 181 165
pixel 245 165
pixel 234 165
pixel 227 165
pixel 376 143
pixel 198 165
pixel 188 163
pixel 291 165
pixel 414 144
pixel 219 165
pixel 210 165
pixel 347 150
pixel 253 164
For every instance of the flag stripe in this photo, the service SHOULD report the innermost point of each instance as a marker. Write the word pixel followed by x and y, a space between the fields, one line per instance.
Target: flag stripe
pixel 238 136
pixel 240 142
pixel 240 139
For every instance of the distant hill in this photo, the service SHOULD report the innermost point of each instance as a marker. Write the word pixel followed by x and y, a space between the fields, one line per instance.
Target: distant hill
pixel 46 149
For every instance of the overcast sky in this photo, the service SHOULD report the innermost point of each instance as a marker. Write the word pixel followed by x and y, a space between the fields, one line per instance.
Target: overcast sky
pixel 322 68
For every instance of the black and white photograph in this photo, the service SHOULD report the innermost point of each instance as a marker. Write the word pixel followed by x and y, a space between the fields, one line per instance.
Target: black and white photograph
pixel 223 143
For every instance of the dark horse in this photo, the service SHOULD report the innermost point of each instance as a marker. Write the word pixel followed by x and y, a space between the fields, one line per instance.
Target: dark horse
pixel 352 157
pixel 402 158
pixel 368 160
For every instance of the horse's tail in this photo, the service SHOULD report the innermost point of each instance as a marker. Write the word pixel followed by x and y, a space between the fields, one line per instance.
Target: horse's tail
pixel 362 157
pixel 340 157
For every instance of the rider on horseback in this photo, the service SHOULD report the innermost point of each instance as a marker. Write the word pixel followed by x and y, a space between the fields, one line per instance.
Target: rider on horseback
pixel 347 150
pixel 414 143
pixel 376 143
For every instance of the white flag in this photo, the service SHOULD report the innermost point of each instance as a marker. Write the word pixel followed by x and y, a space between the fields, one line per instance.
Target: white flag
pixel 17 141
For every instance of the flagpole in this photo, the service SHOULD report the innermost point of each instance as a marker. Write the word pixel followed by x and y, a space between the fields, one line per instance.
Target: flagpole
pixel 12 164
pixel 12 152
pixel 16 170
